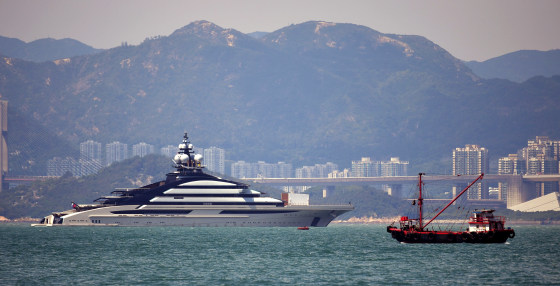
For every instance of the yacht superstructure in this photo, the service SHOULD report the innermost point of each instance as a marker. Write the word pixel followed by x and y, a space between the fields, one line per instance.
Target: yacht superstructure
pixel 191 197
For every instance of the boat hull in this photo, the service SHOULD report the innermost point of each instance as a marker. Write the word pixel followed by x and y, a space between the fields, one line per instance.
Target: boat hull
pixel 412 236
pixel 133 215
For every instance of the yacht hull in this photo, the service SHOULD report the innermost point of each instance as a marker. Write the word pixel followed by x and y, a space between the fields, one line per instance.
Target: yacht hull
pixel 288 216
pixel 191 197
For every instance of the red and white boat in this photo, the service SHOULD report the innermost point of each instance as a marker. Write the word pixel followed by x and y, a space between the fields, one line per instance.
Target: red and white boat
pixel 484 227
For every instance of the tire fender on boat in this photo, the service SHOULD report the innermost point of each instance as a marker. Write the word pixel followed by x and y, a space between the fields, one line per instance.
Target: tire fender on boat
pixel 512 234
pixel 431 236
pixel 408 237
pixel 451 237
pixel 459 238
pixel 475 236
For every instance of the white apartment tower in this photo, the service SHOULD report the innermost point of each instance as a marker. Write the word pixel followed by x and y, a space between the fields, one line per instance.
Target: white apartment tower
pixel 115 152
pixel 90 151
pixel 90 158
pixel 169 150
pixel 365 168
pixel 542 156
pixel 214 159
pixel 142 149
pixel 471 160
pixel 394 167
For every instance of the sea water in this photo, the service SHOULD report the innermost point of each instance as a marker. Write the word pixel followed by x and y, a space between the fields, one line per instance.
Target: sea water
pixel 335 255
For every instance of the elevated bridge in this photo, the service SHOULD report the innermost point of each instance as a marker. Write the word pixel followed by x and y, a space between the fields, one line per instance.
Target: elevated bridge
pixel 398 180
pixel 520 188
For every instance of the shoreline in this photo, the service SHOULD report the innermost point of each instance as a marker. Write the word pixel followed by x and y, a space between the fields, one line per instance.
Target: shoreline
pixel 388 221
pixel 352 220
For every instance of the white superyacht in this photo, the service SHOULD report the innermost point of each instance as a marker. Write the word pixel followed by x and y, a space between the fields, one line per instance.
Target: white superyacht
pixel 190 197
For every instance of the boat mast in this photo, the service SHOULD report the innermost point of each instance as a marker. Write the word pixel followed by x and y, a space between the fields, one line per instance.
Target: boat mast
pixel 420 200
pixel 456 197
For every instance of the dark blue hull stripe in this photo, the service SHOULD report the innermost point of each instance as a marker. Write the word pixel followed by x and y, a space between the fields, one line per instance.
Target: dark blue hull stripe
pixel 255 211
pixel 216 204
pixel 212 195
pixel 152 212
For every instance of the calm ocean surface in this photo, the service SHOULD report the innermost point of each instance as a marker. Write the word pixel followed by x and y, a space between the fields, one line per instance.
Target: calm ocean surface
pixel 336 255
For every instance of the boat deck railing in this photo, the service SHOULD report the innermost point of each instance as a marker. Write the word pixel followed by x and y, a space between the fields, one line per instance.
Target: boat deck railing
pixel 487 220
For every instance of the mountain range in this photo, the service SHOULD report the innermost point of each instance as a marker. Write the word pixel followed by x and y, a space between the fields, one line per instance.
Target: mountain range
pixel 307 93
pixel 519 66
pixel 43 50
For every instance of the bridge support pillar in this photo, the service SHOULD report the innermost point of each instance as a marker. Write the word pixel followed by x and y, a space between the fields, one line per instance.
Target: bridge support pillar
pixel 519 191
pixel 394 190
pixel 3 144
pixel 327 191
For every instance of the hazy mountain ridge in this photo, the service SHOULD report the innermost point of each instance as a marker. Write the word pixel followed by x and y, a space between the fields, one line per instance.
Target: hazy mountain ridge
pixel 307 93
pixel 42 50
pixel 519 66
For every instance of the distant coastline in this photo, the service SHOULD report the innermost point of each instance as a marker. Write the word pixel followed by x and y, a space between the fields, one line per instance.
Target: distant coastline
pixel 17 220
pixel 352 220
pixel 372 220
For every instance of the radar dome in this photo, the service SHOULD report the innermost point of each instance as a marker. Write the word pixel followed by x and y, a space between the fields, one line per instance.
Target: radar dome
pixel 184 158
pixel 197 157
pixel 177 158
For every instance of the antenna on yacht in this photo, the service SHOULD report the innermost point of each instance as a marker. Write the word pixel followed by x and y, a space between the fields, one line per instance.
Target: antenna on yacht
pixel 185 158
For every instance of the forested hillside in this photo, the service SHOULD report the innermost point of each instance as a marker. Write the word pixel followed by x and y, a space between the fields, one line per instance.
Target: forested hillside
pixel 304 94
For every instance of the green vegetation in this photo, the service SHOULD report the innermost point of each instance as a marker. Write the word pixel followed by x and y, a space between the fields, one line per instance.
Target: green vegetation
pixel 543 217
pixel 288 96
pixel 367 201
pixel 43 197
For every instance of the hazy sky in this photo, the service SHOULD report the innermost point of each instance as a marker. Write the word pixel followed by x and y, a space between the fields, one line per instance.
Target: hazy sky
pixel 470 30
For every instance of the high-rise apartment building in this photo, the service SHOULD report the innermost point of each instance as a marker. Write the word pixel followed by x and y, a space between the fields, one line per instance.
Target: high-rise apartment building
pixel 284 170
pixel 266 170
pixel 91 150
pixel 366 168
pixel 214 159
pixel 346 173
pixel 471 160
pixel 90 158
pixel 116 151
pixel 510 165
pixel 242 169
pixel 542 156
pixel 169 150
pixel 317 171
pixel 142 149
pixel 394 167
